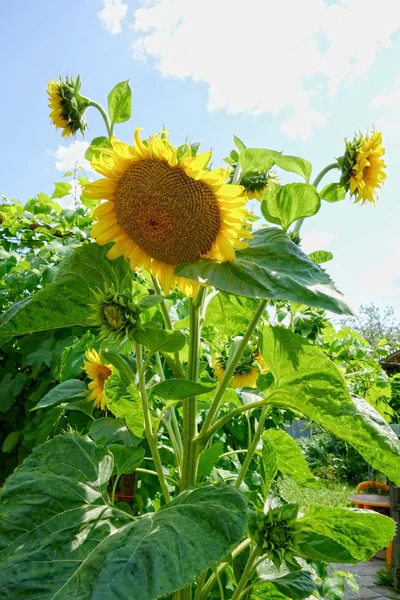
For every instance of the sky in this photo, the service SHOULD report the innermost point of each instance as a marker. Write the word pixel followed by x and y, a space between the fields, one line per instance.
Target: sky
pixel 295 76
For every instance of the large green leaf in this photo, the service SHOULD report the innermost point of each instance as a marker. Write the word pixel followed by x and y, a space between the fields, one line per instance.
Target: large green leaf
pixel 107 431
pixel 314 546
pixel 257 159
pixel 296 585
pixel 290 460
pixel 284 205
pixel 126 460
pixel 295 164
pixel 361 532
pixel 64 540
pixel 73 388
pixel 307 382
pixel 160 339
pixel 229 314
pixel 124 402
pixel 120 102
pixel 178 389
pixel 271 267
pixel 65 301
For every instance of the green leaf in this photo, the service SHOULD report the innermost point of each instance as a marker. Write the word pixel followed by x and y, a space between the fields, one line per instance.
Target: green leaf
pixel 313 546
pixel 11 441
pixel 295 164
pixel 307 382
pixel 9 389
pixel 73 388
pixel 266 591
pixel 269 461
pixel 290 460
pixel 257 159
pixel 333 192
pixel 285 205
pixel 121 364
pixel 208 458
pixel 229 314
pixel 110 431
pixel 296 585
pixel 239 144
pixel 126 460
pixel 320 256
pixel 61 189
pixel 179 389
pixel 101 551
pixel 68 174
pixel 160 339
pixel 97 142
pixel 124 402
pixel 120 102
pixel 362 533
pixel 65 302
pixel 271 267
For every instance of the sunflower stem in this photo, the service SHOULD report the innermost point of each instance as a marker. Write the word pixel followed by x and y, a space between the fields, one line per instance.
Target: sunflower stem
pixel 220 568
pixel 168 324
pixel 107 122
pixel 317 180
pixel 216 403
pixel 189 460
pixel 252 447
pixel 247 573
pixel 147 423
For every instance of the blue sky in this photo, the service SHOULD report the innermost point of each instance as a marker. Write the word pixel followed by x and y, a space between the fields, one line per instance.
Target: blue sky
pixel 292 76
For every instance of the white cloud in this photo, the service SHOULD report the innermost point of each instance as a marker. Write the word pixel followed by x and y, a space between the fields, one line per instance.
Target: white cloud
pixel 265 56
pixel 112 14
pixel 382 279
pixel 386 99
pixel 317 240
pixel 388 103
pixel 72 156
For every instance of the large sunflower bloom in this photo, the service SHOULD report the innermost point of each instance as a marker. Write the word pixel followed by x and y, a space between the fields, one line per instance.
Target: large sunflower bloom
pixel 99 373
pixel 363 167
pixel 162 211
pixel 245 375
pixel 67 106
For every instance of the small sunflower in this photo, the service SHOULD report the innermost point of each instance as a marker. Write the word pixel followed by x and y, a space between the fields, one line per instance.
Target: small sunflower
pixel 247 371
pixel 99 373
pixel 363 167
pixel 68 107
pixel 162 211
pixel 256 183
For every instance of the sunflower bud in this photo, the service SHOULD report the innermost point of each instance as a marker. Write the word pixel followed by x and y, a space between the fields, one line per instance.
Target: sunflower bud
pixel 275 533
pixel 246 373
pixel 68 106
pixel 362 167
pixel 256 182
pixel 116 314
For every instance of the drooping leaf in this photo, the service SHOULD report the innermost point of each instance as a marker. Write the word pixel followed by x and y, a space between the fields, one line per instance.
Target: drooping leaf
pixel 126 460
pixel 285 205
pixel 271 267
pixel 178 389
pixel 124 402
pixel 65 301
pixel 333 192
pixel 97 142
pixel 65 540
pixel 120 102
pixel 290 460
pixel 109 431
pixel 160 339
pixel 361 532
pixel 208 458
pixel 295 164
pixel 296 585
pixel 73 388
pixel 309 383
pixel 320 256
pixel 314 546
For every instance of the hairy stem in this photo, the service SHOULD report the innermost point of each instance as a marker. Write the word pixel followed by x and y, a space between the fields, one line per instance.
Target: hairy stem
pixel 247 573
pixel 147 423
pixel 252 448
pixel 106 119
pixel 215 405
pixel 189 461
pixel 221 567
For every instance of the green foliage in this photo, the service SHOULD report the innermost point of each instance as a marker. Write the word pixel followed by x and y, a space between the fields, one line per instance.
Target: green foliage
pixel 67 481
pixel 333 192
pixel 285 205
pixel 97 142
pixel 295 164
pixel 120 103
pixel 124 402
pixel 289 459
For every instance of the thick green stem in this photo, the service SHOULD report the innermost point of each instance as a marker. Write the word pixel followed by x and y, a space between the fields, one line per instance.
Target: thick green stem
pixel 189 460
pixel 221 567
pixel 147 423
pixel 204 438
pixel 174 432
pixel 252 448
pixel 317 180
pixel 215 405
pixel 168 325
pixel 247 573
pixel 108 124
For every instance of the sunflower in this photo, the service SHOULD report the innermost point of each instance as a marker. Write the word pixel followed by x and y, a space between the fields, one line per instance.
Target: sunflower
pixel 255 184
pixel 247 371
pixel 99 373
pixel 162 211
pixel 363 167
pixel 67 105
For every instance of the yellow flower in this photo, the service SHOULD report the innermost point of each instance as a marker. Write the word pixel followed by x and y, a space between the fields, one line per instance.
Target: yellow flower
pixel 67 105
pixel 257 184
pixel 245 375
pixel 162 211
pixel 99 373
pixel 363 167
